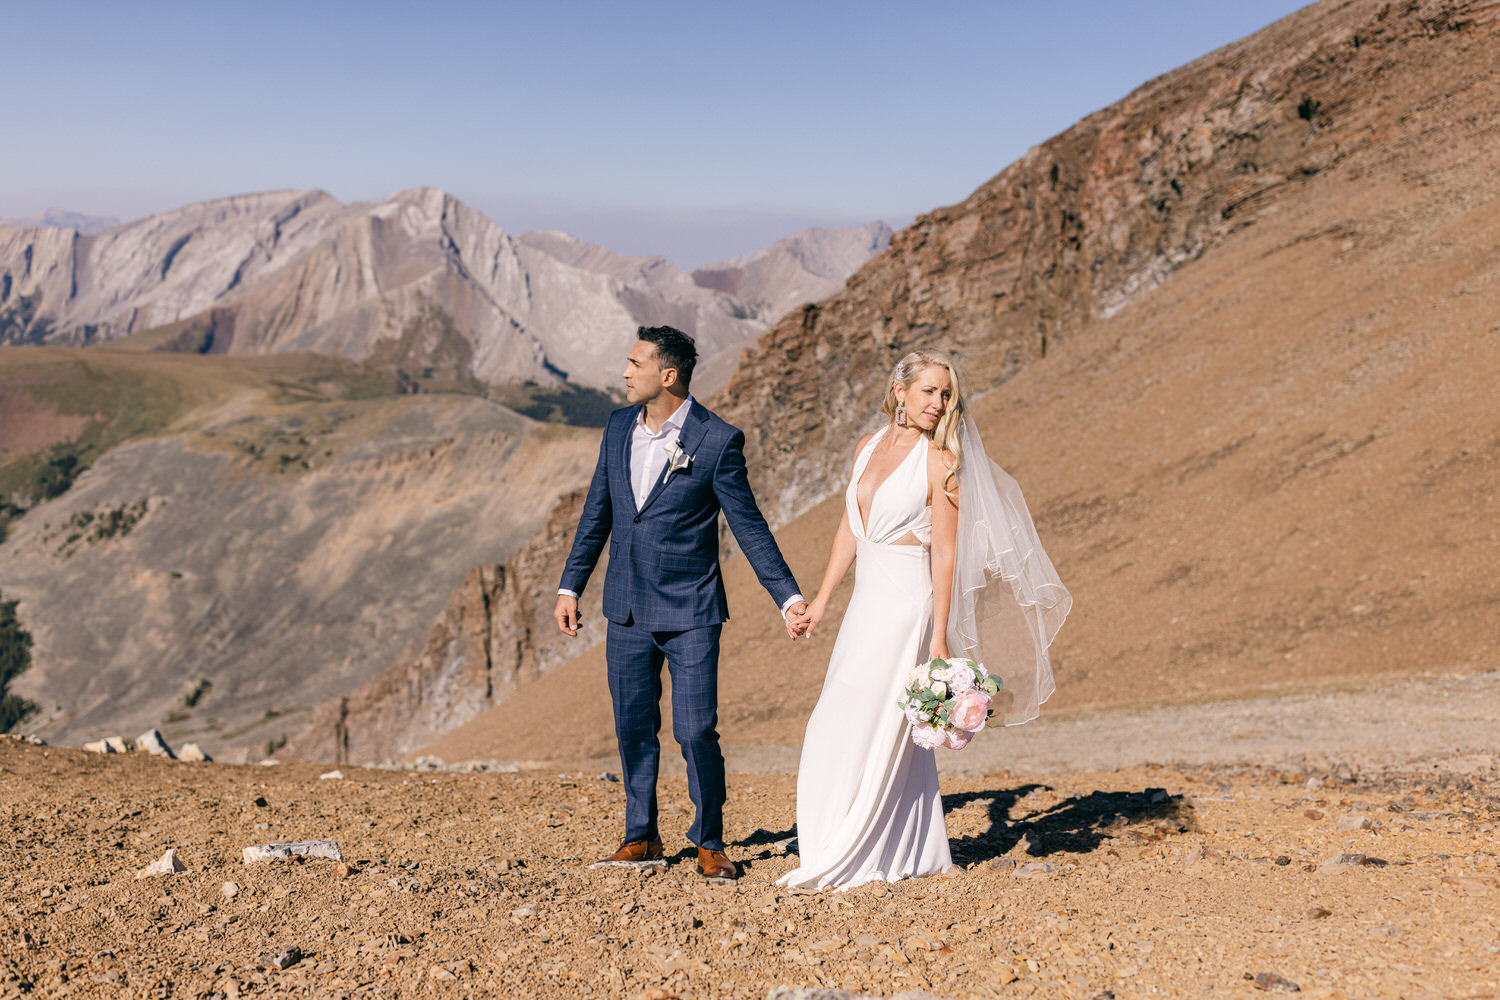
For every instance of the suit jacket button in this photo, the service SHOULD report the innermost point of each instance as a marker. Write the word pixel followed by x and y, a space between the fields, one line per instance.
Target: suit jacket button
pixel 638 519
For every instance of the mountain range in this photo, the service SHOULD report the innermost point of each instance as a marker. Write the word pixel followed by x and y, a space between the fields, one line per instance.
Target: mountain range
pixel 420 278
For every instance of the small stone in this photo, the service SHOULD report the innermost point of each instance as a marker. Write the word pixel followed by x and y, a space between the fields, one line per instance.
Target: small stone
pixel 342 870
pixel 151 741
pixel 260 802
pixel 168 864
pixel 1475 885
pixel 99 746
pixel 522 912
pixel 1383 930
pixel 193 752
pixel 331 776
pixel 1034 870
pixel 1354 821
pixel 230 890
pixel 1313 814
pixel 117 744
pixel 1283 861
pixel 607 776
pixel 1003 864
pixel 309 848
pixel 283 959
pixel 1030 841
pixel 442 975
pixel 1342 861
pixel 1319 912
pixel 1272 981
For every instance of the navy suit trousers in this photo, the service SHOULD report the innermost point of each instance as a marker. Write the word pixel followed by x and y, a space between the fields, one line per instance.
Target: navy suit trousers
pixel 635 657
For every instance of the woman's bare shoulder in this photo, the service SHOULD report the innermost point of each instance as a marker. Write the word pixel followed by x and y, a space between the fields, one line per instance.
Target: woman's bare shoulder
pixel 859 449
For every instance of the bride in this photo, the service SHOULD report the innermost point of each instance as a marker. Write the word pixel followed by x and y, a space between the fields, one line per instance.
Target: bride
pixel 938 533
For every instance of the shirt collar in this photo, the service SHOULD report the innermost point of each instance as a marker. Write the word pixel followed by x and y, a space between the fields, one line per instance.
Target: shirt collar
pixel 672 423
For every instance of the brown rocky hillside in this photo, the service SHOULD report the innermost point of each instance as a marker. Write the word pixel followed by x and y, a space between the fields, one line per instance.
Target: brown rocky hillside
pixel 1238 338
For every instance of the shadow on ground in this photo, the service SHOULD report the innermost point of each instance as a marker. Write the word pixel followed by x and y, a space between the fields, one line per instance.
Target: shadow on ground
pixel 1078 824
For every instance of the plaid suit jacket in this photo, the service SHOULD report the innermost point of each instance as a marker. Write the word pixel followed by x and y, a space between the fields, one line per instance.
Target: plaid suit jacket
pixel 663 569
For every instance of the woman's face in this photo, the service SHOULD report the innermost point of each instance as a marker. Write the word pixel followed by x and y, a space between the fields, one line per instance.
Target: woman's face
pixel 927 397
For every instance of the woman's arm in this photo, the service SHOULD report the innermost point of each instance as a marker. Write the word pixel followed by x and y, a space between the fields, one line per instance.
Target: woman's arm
pixel 944 536
pixel 840 558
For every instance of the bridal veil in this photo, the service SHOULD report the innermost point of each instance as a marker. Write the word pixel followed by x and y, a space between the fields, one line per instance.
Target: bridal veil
pixel 1008 601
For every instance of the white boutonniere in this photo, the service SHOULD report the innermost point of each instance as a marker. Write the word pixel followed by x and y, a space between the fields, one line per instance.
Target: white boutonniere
pixel 677 459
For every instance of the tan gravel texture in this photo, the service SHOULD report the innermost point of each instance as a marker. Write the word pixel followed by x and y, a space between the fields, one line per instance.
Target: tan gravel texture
pixel 1161 882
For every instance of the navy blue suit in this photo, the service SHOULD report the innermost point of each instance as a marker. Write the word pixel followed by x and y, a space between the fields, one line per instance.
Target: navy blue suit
pixel 664 599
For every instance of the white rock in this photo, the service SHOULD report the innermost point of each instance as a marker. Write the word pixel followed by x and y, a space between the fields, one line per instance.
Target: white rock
pixel 151 741
pixel 230 890
pixel 1354 821
pixel 99 746
pixel 332 776
pixel 191 751
pixel 117 744
pixel 168 864
pixel 310 848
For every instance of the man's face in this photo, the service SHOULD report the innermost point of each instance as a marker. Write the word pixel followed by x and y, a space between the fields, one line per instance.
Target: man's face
pixel 642 373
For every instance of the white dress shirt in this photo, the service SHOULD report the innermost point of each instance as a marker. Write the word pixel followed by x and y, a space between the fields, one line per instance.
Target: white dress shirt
pixel 648 460
pixel 648 452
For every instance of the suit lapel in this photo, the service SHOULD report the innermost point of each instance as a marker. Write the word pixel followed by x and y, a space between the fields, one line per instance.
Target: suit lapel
pixel 691 436
pixel 624 448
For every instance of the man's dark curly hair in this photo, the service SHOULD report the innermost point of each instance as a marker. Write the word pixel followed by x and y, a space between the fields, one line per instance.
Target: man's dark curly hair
pixel 674 349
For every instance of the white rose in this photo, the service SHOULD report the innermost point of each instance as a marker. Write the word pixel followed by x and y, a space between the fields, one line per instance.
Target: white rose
pixel 940 689
pixel 960 679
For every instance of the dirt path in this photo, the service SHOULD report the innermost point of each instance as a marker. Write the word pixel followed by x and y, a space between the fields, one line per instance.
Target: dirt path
pixel 1451 723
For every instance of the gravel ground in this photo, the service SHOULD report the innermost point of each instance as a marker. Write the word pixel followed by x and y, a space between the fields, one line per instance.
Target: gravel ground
pixel 1347 879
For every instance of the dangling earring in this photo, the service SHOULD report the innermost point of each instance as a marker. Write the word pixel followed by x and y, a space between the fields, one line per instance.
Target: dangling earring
pixel 900 414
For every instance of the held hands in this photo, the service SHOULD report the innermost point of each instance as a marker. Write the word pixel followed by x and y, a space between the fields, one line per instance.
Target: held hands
pixel 566 614
pixel 802 618
pixel 796 614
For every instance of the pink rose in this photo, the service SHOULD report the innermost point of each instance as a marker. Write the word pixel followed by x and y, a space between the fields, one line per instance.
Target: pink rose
pixel 926 737
pixel 969 711
pixel 957 739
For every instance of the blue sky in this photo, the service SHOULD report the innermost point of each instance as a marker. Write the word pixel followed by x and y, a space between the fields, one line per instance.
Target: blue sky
pixel 695 130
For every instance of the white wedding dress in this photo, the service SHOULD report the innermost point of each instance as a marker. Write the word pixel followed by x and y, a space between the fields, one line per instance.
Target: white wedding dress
pixel 868 805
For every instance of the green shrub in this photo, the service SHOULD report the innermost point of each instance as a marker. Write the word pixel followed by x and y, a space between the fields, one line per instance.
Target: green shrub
pixel 15 657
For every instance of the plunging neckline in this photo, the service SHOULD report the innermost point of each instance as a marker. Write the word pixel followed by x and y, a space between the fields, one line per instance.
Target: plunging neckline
pixel 864 516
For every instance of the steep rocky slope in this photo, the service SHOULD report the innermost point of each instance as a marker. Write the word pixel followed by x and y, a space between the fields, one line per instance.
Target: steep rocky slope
pixel 281 540
pixel 419 277
pixel 1253 416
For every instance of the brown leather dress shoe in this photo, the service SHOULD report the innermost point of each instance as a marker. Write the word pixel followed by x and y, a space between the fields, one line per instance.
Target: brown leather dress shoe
pixel 635 854
pixel 714 864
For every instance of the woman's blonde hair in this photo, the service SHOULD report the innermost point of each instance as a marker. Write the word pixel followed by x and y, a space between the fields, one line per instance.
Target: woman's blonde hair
pixel 945 434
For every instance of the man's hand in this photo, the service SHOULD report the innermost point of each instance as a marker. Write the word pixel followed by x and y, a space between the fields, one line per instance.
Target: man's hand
pixel 794 618
pixel 566 614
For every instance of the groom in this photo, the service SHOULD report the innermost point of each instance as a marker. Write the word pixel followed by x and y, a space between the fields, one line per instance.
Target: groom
pixel 666 468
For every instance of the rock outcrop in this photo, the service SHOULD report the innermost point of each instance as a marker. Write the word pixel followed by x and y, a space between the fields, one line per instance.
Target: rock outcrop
pixel 1077 229
pixel 419 275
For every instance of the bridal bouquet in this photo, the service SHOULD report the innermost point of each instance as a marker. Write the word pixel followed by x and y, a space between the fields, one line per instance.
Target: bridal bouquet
pixel 948 701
